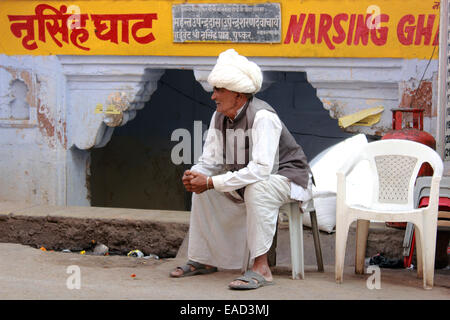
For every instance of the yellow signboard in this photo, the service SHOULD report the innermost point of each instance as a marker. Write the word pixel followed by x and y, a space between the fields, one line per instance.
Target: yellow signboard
pixel 309 28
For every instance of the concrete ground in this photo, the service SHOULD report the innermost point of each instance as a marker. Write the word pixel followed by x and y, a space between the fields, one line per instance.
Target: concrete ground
pixel 29 273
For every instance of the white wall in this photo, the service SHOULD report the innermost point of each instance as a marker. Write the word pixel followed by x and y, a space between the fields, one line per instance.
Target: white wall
pixel 32 151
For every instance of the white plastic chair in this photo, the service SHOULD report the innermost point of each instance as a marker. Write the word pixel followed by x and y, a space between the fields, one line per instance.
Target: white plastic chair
pixel 394 164
pixel 293 211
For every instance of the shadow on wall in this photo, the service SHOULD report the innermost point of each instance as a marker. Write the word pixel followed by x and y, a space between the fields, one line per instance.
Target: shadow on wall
pixel 135 170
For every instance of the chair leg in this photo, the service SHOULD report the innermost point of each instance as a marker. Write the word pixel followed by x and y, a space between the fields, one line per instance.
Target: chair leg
pixel 300 239
pixel 362 232
pixel 342 227
pixel 296 238
pixel 419 251
pixel 315 231
pixel 429 250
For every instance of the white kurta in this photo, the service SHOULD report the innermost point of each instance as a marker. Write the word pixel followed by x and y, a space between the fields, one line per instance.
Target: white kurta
pixel 219 227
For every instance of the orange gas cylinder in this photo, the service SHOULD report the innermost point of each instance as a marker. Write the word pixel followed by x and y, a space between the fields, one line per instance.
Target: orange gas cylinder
pixel 410 127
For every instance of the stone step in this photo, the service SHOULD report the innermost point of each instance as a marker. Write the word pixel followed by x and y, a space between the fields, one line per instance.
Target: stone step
pixel 160 232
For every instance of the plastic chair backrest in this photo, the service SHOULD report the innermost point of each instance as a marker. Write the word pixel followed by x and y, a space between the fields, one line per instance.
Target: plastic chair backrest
pixel 395 164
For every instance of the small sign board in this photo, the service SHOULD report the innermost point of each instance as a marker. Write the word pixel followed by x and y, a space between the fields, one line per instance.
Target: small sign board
pixel 242 23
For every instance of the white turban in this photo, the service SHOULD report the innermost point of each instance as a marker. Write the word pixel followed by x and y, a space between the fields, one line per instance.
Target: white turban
pixel 236 73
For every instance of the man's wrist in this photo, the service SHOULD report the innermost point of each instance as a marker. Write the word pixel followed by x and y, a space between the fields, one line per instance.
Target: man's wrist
pixel 209 183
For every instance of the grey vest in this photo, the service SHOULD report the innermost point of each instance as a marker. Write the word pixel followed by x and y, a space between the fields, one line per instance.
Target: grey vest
pixel 291 162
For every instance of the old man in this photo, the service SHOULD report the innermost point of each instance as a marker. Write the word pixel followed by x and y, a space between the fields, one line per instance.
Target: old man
pixel 250 166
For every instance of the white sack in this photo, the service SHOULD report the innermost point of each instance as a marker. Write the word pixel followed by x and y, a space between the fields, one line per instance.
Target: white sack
pixel 324 167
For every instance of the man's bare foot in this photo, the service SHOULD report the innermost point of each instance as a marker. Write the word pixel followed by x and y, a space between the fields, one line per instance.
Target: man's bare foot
pixel 266 275
pixel 260 266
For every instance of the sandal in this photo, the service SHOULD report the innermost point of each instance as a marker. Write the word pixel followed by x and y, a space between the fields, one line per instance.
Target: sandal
pixel 199 268
pixel 253 281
